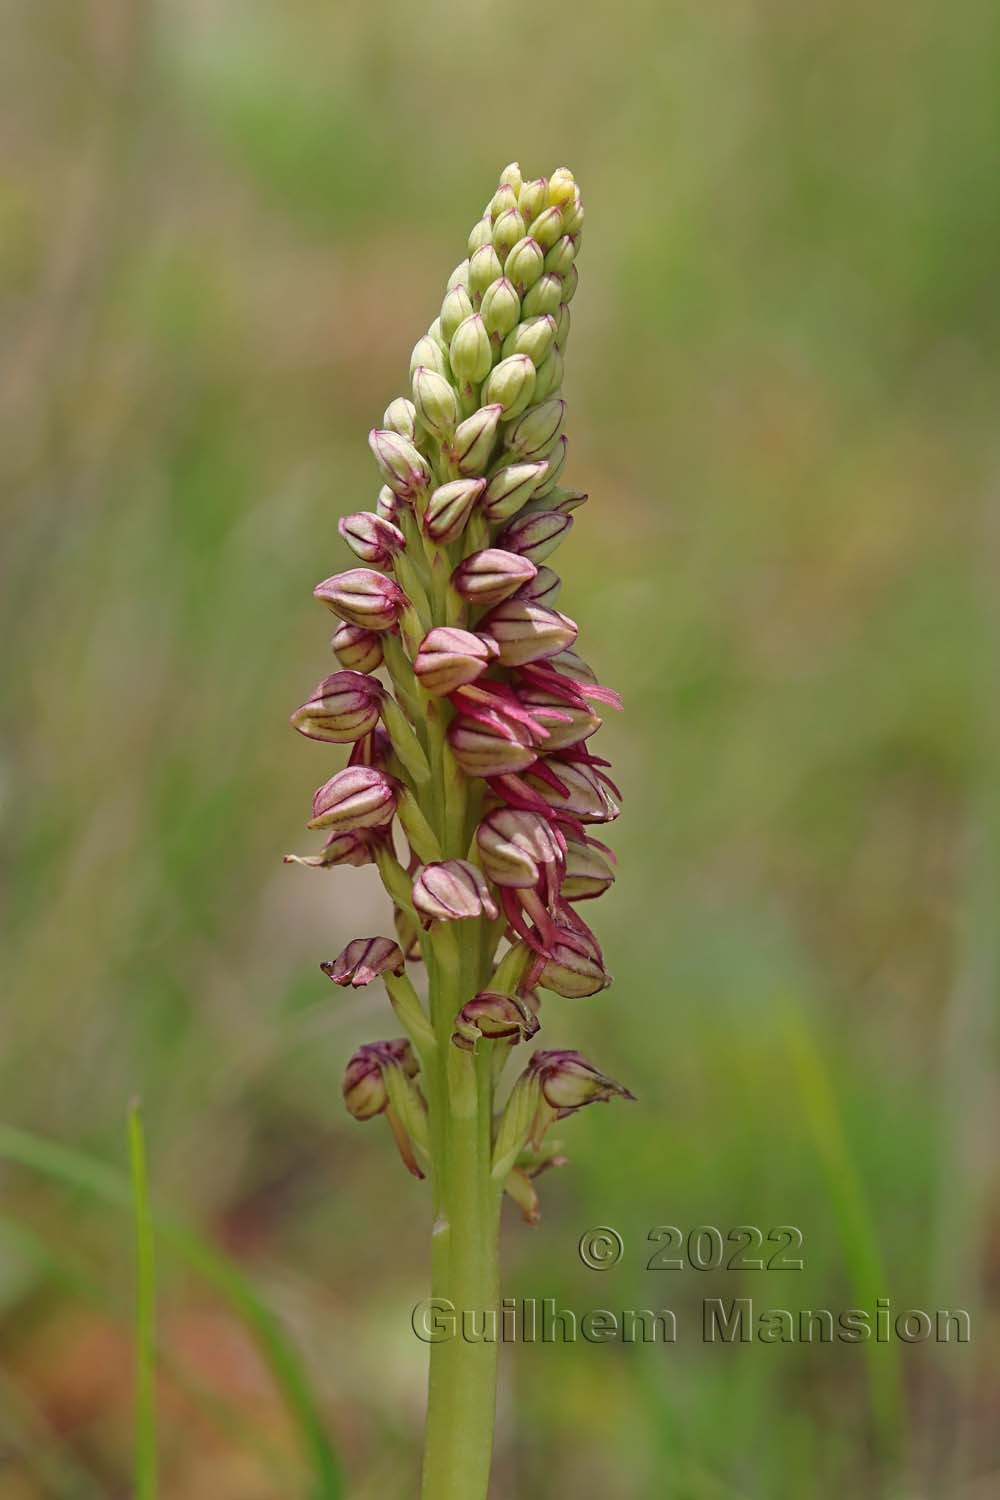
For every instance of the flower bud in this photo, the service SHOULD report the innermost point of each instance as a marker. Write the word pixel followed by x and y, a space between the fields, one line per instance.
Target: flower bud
pixel 573 217
pixel 475 438
pixel 533 338
pixel 460 276
pixel 371 538
pixel 573 965
pixel 528 632
pixel 339 849
pixel 378 1081
pixel 456 306
pixel 449 658
pixel 363 960
pixel 511 383
pixel 564 501
pixel 355 798
pixel 388 506
pixel 428 354
pixel 493 1018
pixel 512 487
pixel 436 402
pixel 568 723
pixel 561 256
pixel 570 283
pixel 568 1082
pixel 511 176
pixel 535 535
pixel 471 350
pixel 533 197
pixel 501 308
pixel 524 264
pixel 583 794
pixel 516 845
pixel 562 187
pixel 490 576
pixel 590 870
pixel 357 649
pixel 492 747
pixel 563 323
pixel 405 470
pixel 547 228
pixel 544 297
pixel 363 597
pixel 480 236
pixel 507 231
pixel 484 267
pixel 544 588
pixel 550 375
pixel 450 506
pixel 557 462
pixel 536 431
pixel 345 706
pixel 503 200
pixel 399 416
pixel 452 890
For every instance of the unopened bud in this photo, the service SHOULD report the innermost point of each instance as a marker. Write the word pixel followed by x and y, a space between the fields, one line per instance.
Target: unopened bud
pixel 550 375
pixel 475 439
pixel 527 632
pixel 524 264
pixel 460 276
pixel 507 231
pixel 503 200
pixel 563 323
pixel 536 431
pixel 501 308
pixel 357 649
pixel 515 846
pixel 363 597
pixel 590 870
pixel 536 535
pixel 363 960
pixel 556 462
pixel 436 402
pixel 569 284
pixel 471 352
pixel 399 416
pixel 492 1017
pixel 492 575
pixel 561 256
pixel 339 849
pixel 449 658
pixel 533 338
pixel 547 228
pixel 511 384
pixel 450 891
pixel 544 588
pixel 562 187
pixel 573 217
pixel 574 964
pixel 405 469
pixel 344 707
pixel 371 538
pixel 355 798
pixel 481 235
pixel 533 197
pixel 388 505
pixel 494 747
pixel 456 306
pixel 449 508
pixel 428 354
pixel 511 176
pixel 544 297
pixel 484 267
pixel 510 488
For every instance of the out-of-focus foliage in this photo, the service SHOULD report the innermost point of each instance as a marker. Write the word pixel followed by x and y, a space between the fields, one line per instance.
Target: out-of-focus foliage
pixel 224 223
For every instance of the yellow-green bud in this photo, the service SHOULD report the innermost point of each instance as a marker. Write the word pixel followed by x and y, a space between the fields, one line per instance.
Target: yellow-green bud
pixel 482 234
pixel 456 306
pixel 544 297
pixel 570 283
pixel 511 175
pixel 547 228
pixel 436 402
pixel 511 384
pixel 427 354
pixel 573 217
pixel 533 197
pixel 562 255
pixel 524 264
pixel 471 352
pixel 550 375
pixel 503 200
pixel 507 230
pixel 501 307
pixel 533 338
pixel 484 267
pixel 460 276
pixel 562 327
pixel 474 439
pixel 434 332
pixel 536 432
pixel 562 187
pixel 399 415
pixel 556 462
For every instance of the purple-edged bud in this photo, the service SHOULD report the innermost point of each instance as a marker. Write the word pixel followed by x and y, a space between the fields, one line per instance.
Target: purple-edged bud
pixel 460 276
pixel 544 588
pixel 363 597
pixel 374 749
pixel 357 649
pixel 568 723
pixel 556 462
pixel 511 383
pixel 449 658
pixel 405 470
pixel 511 176
pixel 501 308
pixel 374 540
pixel 533 197
pixel 436 402
pixel 590 870
pixel 563 324
pixel 565 500
pixel 363 960
pixel 339 849
pixel 514 846
pixel 525 264
pixel 345 706
pixel 493 1018
pixel 584 796
pixel 561 256
pixel 400 416
pixel 574 964
pixel 484 267
pixel 534 338
pixel 536 535
pixel 570 282
pixel 507 231
pixel 455 308
pixel 388 505
pixel 547 228
pixel 549 376
pixel 449 508
pixel 536 431
pixel 496 747
pixel 512 487
pixel 490 576
pixel 365 1092
pixel 452 891
pixel 428 354
pixel 481 234
pixel 503 200
pixel 471 351
pixel 562 187
pixel 568 1082
pixel 544 297
pixel 475 439
pixel 356 797
pixel 528 632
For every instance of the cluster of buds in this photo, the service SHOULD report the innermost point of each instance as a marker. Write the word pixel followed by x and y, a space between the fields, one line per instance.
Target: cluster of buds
pixel 471 784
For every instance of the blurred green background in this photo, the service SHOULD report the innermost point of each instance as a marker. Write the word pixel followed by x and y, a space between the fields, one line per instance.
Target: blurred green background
pixel 223 224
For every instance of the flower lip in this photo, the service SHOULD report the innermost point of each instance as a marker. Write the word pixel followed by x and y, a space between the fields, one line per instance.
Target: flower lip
pixel 363 960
